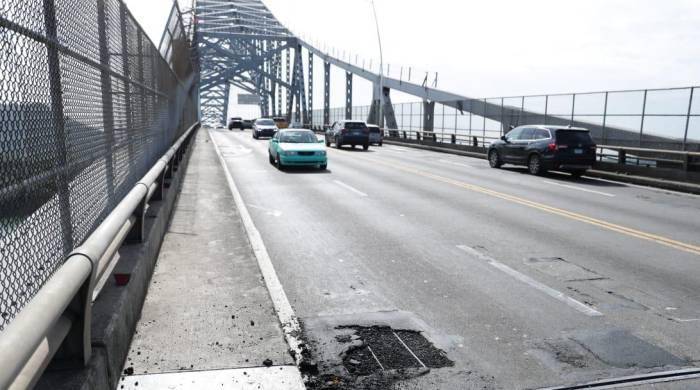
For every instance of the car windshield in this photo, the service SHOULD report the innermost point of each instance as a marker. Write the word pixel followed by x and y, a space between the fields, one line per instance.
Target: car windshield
pixel 265 122
pixel 298 137
pixel 573 137
pixel 355 125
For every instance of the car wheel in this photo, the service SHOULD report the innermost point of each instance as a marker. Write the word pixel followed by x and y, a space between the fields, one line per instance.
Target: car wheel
pixel 269 156
pixel 577 174
pixel 338 145
pixel 495 159
pixel 365 147
pixel 323 167
pixel 380 144
pixel 278 163
pixel 328 143
pixel 534 165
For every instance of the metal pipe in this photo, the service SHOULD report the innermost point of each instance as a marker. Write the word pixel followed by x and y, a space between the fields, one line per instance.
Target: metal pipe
pixel 31 325
pixel 42 356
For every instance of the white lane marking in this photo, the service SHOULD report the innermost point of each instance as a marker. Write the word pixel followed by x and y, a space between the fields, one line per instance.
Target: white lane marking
pixel 643 187
pixel 270 212
pixel 585 309
pixel 455 163
pixel 355 190
pixel 579 188
pixel 393 149
pixel 285 313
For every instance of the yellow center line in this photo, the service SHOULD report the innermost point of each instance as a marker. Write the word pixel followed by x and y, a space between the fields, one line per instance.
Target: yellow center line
pixel 694 249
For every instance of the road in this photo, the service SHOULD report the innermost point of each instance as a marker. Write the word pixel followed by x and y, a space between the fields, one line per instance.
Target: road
pixel 524 281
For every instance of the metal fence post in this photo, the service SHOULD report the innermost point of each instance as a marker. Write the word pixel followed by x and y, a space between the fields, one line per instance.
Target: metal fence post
pixel 502 124
pixel 605 118
pixel 483 138
pixel 76 348
pixel 573 109
pixel 546 107
pixel 107 107
pixel 127 85
pixel 641 126
pixel 687 119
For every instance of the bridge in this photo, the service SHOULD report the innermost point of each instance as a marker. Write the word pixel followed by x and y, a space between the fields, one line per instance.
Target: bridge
pixel 145 245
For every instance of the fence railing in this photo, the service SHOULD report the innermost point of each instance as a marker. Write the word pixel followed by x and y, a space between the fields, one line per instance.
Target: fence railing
pixel 652 118
pixel 87 107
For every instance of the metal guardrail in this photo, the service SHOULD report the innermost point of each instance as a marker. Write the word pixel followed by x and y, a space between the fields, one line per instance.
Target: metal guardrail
pixel 59 314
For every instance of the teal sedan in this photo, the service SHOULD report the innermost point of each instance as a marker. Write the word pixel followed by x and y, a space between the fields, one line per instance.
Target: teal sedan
pixel 297 147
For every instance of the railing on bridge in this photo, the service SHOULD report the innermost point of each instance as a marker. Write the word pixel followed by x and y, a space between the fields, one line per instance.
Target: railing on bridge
pixel 88 107
pixel 654 118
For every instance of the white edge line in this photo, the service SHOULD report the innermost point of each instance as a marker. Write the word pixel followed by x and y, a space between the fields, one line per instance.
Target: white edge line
pixel 579 188
pixel 358 192
pixel 571 302
pixel 285 313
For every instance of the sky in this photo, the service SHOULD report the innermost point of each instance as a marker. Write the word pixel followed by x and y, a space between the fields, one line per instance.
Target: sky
pixel 497 47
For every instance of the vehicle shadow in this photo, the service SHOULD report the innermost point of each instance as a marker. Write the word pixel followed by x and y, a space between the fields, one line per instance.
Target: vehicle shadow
pixel 306 171
pixel 355 150
pixel 567 178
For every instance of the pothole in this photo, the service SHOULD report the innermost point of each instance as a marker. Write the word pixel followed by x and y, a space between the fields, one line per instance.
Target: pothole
pixel 380 348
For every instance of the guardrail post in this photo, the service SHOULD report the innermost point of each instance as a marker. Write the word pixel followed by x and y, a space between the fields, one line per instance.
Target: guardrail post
pixel 160 186
pixel 622 157
pixel 453 138
pixel 404 134
pixel 686 160
pixel 135 235
pixel 418 135
pixel 76 348
pixel 475 142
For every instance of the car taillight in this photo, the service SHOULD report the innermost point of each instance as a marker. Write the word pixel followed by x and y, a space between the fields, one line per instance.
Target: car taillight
pixel 594 147
pixel 554 147
pixel 343 131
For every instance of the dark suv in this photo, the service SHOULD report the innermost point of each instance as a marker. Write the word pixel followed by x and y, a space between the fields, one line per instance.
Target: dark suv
pixel 348 132
pixel 541 148
pixel 235 123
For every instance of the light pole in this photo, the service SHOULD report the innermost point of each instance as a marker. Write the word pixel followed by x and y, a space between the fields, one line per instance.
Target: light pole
pixel 381 69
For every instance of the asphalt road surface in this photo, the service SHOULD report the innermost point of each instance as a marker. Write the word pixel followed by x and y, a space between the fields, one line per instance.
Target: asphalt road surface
pixel 524 281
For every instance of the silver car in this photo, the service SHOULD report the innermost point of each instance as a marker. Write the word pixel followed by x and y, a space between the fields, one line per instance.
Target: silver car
pixel 376 135
pixel 264 127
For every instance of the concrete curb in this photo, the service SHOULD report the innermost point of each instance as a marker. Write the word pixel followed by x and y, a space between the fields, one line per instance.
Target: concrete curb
pixel 117 310
pixel 631 179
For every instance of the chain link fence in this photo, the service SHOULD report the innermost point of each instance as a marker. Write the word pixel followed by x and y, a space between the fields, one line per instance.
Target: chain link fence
pixel 87 105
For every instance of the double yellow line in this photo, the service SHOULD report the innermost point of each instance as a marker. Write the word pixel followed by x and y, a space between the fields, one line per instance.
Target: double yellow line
pixel 694 249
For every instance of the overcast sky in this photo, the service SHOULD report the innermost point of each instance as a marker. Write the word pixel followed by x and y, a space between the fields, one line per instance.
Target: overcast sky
pixel 500 47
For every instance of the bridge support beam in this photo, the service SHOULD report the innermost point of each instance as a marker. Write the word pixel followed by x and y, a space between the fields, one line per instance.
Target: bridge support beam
pixel 310 108
pixel 326 93
pixel 428 115
pixel 348 95
pixel 288 92
pixel 389 118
